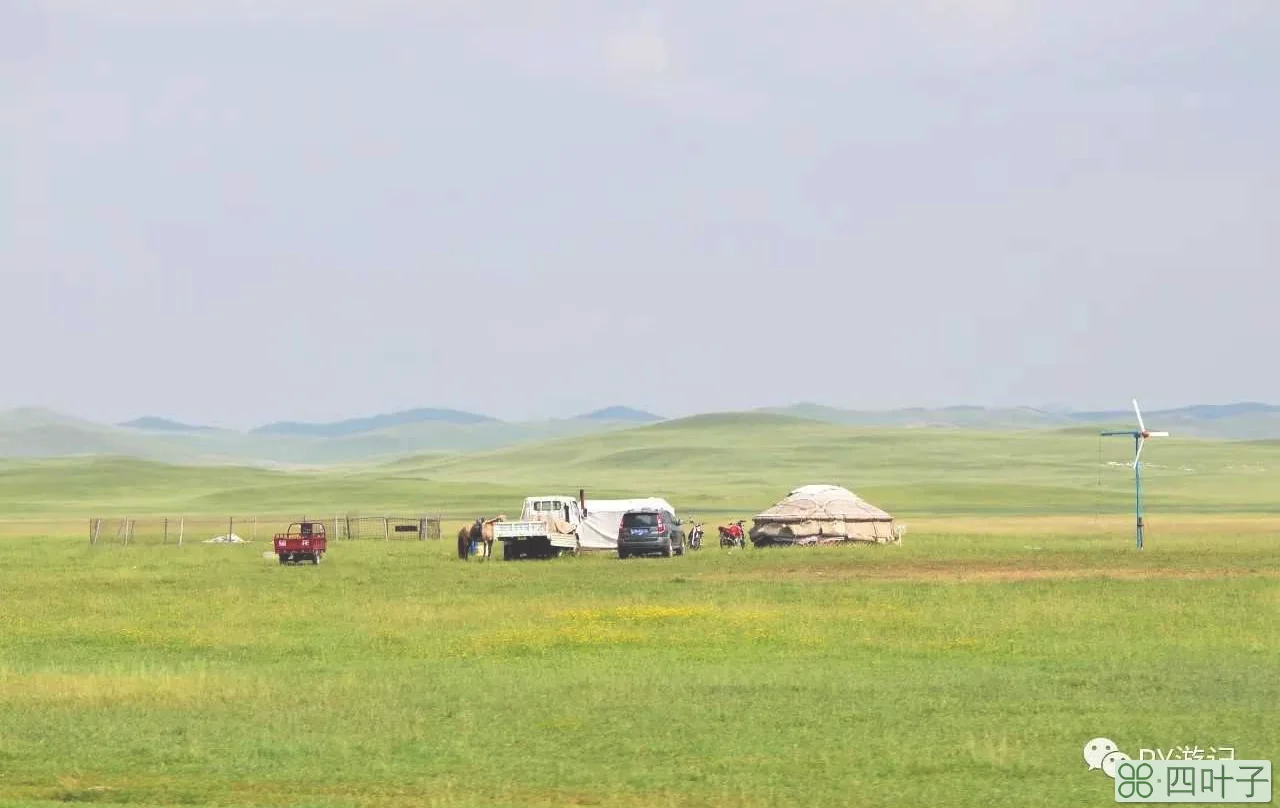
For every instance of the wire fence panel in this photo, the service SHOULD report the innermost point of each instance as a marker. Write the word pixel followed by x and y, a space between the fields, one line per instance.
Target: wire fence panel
pixel 386 528
pixel 186 529
pixel 238 529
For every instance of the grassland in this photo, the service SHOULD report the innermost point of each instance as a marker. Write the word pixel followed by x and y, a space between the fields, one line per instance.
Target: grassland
pixel 966 667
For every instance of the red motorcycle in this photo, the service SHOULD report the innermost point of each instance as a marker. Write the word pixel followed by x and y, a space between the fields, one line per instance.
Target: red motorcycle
pixel 733 535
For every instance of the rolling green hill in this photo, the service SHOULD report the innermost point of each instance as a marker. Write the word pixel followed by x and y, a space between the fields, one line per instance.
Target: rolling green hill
pixel 1242 421
pixel 37 433
pixel 712 464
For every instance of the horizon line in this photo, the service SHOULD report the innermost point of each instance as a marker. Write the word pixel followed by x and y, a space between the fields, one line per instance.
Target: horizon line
pixel 1062 410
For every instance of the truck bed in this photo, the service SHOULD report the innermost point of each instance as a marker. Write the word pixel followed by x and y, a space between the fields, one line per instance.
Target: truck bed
pixel 516 531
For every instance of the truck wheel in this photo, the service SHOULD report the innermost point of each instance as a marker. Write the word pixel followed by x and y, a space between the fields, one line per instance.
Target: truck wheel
pixel 506 551
pixel 622 555
pixel 281 557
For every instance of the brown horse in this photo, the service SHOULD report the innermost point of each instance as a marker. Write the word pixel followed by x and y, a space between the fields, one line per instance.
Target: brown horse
pixel 486 534
pixel 480 532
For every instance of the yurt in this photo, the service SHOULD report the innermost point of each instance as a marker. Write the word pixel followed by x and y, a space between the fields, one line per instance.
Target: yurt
pixel 823 514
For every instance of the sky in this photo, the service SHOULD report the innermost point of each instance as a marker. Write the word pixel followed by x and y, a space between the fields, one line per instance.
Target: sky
pixel 241 211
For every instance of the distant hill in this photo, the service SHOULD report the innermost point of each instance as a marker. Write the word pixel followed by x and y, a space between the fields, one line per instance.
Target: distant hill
pixel 619 413
pixel 1195 412
pixel 715 467
pixel 28 417
pixel 1243 421
pixel 743 462
pixel 33 432
pixel 39 433
pixel 151 423
pixel 356 426
pixel 957 417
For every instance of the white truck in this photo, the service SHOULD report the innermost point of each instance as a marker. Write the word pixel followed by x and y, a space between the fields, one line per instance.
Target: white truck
pixel 548 526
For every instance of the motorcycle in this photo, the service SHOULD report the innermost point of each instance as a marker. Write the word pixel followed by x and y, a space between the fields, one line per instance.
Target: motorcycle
pixel 695 536
pixel 733 535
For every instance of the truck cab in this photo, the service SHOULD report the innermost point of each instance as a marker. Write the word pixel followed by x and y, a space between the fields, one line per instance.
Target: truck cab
pixel 548 526
pixel 565 509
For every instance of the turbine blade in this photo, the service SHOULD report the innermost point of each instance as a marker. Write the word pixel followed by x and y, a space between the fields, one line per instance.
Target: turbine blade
pixel 1157 434
pixel 1138 413
pixel 1141 442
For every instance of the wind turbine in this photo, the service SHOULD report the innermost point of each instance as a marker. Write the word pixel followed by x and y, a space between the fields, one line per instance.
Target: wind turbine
pixel 1139 436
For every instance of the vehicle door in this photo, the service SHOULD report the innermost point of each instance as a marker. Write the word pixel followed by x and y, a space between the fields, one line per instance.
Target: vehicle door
pixel 677 530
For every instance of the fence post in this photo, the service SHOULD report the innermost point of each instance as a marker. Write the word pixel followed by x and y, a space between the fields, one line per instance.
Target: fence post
pixel 255 528
pixel 182 523
pixel 231 527
pixel 386 528
pixel 165 540
pixel 348 526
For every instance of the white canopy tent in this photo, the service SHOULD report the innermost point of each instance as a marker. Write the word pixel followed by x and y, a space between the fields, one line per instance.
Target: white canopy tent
pixel 599 528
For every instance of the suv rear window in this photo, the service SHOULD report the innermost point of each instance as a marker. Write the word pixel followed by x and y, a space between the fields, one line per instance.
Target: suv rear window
pixel 640 520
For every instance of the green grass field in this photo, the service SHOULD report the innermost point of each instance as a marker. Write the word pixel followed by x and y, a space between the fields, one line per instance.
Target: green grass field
pixel 966 667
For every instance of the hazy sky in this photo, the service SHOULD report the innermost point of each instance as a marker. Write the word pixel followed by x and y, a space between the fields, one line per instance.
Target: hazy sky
pixel 235 211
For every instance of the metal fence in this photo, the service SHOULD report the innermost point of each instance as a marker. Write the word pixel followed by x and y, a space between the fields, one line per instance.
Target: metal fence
pixel 387 527
pixel 218 529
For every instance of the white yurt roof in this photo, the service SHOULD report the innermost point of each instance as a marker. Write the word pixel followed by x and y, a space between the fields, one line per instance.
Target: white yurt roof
pixel 811 503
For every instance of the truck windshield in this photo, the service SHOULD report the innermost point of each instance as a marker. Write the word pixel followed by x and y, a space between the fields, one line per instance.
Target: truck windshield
pixel 548 505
